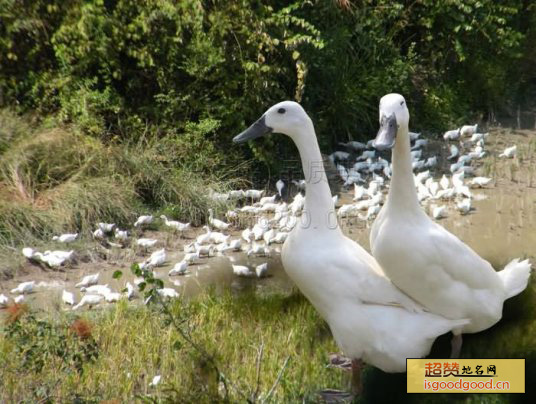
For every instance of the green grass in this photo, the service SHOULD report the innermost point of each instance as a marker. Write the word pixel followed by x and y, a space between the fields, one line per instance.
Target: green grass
pixel 136 343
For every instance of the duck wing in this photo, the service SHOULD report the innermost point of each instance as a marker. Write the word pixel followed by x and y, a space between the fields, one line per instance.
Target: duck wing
pixel 459 261
pixel 368 281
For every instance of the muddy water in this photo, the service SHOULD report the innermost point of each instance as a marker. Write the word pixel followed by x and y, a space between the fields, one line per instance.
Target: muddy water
pixel 501 227
pixel 215 272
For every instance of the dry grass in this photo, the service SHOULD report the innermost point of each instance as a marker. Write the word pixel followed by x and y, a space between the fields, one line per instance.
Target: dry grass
pixel 59 180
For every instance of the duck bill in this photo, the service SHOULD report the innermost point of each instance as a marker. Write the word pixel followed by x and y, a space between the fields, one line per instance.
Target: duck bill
pixel 385 139
pixel 258 129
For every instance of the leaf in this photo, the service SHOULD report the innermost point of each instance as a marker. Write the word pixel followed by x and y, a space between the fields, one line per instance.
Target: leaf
pixel 141 286
pixel 117 274
pixel 135 268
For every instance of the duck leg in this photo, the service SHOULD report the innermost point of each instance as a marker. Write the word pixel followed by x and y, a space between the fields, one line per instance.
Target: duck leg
pixel 355 366
pixel 338 396
pixel 456 346
pixel 357 381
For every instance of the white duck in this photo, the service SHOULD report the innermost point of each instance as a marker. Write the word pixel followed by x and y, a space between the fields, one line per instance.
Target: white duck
pixel 131 293
pixel 261 270
pixel 454 152
pixel 144 219
pixel 167 293
pixel 509 152
pixel 146 242
pixel 112 297
pixel 216 237
pixel 235 245
pixel 267 199
pixel 480 181
pixel 241 270
pixel 422 258
pixel 468 130
pixel 121 235
pixel 179 268
pixel 369 317
pixel 204 250
pixel 29 252
pixel 464 206
pixel 190 258
pixel 24 287
pixel 67 297
pixel 66 238
pixel 106 227
pixel 88 280
pixel 175 224
pixel 89 300
pixel 155 381
pixel 204 238
pixel 254 194
pixel 56 258
pixel 452 134
pixel 98 234
pixel 102 290
pixel 156 259
pixel 236 194
pixel 280 184
pixel 438 212
pixel 258 249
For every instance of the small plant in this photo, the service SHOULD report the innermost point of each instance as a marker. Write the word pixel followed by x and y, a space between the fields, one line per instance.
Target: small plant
pixel 43 344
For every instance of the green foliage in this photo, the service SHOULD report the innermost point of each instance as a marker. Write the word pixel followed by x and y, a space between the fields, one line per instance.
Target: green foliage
pixel 250 335
pixel 135 343
pixel 41 344
pixel 200 71
pixel 452 60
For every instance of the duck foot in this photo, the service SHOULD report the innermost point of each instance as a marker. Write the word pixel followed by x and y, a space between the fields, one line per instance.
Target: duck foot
pixel 456 346
pixel 340 361
pixel 335 396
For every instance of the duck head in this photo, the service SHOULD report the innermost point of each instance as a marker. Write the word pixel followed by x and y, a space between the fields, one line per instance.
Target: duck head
pixel 286 117
pixel 394 115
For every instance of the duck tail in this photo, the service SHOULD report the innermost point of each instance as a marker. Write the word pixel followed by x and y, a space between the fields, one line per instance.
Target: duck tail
pixel 515 276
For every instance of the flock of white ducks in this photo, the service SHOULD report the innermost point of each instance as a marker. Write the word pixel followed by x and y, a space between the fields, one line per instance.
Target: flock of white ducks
pixel 420 282
pixel 255 241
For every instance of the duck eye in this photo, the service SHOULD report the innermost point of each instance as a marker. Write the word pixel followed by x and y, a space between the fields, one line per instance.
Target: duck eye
pixel 401 102
pixel 281 110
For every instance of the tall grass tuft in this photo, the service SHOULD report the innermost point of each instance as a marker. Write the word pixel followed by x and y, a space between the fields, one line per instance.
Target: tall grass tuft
pixel 57 179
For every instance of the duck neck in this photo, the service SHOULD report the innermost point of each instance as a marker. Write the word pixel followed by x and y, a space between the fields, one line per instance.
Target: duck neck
pixel 402 193
pixel 319 210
